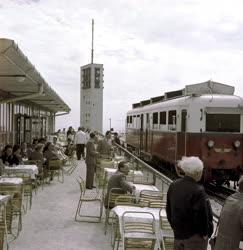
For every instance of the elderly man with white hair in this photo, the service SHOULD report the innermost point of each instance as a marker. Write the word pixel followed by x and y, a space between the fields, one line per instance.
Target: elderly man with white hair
pixel 188 208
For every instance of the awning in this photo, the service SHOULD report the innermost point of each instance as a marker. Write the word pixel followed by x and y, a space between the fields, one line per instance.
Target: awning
pixel 19 80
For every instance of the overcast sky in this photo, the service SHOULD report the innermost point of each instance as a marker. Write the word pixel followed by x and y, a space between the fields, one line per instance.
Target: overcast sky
pixel 148 47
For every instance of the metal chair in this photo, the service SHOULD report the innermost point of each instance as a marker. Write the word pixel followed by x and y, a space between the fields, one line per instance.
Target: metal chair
pixel 88 197
pixel 151 195
pixel 14 206
pixel 167 233
pixel 139 233
pixel 56 167
pixel 112 195
pixel 3 227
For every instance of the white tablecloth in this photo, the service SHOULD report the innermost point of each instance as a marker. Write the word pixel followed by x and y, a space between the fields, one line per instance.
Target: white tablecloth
pixel 29 169
pixel 133 217
pixel 4 199
pixel 15 181
pixel 140 187
pixel 135 174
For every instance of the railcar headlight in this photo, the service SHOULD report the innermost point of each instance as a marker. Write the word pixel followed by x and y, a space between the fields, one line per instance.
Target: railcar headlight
pixel 237 143
pixel 210 144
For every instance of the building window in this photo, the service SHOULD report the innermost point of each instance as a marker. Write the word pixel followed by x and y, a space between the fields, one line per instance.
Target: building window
pixel 86 78
pixel 162 118
pixel 97 77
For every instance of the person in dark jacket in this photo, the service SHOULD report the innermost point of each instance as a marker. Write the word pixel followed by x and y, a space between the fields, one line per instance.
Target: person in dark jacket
pixel 118 180
pixel 230 231
pixel 7 157
pixel 90 161
pixel 188 208
pixel 17 158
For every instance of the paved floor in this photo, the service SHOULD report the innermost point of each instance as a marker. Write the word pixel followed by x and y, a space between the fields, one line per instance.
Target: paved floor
pixel 50 224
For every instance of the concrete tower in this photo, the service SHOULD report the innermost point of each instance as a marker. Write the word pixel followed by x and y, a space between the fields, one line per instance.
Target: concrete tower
pixel 91 94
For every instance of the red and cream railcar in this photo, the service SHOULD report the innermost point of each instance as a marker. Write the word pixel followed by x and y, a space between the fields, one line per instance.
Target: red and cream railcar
pixel 204 120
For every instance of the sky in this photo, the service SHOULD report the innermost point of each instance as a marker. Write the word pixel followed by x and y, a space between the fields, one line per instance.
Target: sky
pixel 148 47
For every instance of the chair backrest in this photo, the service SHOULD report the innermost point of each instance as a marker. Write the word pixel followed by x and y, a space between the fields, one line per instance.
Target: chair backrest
pixel 157 204
pixel 138 234
pixel 125 200
pixel 165 225
pixel 112 195
pixel 81 184
pixel 55 164
pixel 143 202
pixel 151 195
pixel 140 225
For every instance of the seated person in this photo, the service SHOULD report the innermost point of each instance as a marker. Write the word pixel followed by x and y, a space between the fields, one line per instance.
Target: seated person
pixel 118 180
pixel 69 148
pixel 17 157
pixel 50 152
pixel 37 154
pixel 7 157
pixel 24 150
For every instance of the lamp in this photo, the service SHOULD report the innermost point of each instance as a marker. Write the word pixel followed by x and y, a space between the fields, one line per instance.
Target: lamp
pixel 18 77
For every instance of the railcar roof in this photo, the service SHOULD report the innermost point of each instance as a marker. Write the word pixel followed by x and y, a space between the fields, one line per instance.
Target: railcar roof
pixel 214 100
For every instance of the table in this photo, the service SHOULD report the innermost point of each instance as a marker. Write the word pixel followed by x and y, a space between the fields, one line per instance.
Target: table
pixel 8 180
pixel 29 169
pixel 157 212
pixel 132 173
pixel 140 187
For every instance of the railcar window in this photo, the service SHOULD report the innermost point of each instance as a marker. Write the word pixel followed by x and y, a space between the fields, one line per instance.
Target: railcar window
pixel 130 119
pixel 155 118
pixel 223 122
pixel 172 117
pixel 162 118
pixel 127 119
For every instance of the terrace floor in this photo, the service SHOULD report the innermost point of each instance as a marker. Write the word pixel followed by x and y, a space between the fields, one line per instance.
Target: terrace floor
pixel 50 223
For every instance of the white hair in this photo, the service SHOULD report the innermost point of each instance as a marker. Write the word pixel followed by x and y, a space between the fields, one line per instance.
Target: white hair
pixel 191 165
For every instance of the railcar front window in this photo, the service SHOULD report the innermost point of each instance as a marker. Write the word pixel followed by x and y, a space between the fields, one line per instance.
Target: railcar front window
pixel 223 122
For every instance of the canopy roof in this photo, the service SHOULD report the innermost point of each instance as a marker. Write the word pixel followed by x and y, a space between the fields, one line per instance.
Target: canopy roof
pixel 21 81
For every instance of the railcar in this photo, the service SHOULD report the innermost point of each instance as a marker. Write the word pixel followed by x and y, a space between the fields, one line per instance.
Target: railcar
pixel 204 120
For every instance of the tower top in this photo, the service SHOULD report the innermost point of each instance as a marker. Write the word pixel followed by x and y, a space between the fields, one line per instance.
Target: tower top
pixel 92 45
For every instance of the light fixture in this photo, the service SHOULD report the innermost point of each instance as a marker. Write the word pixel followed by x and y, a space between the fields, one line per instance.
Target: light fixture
pixel 210 144
pixel 237 143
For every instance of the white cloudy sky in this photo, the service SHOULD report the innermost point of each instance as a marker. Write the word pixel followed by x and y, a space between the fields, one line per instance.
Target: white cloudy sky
pixel 147 47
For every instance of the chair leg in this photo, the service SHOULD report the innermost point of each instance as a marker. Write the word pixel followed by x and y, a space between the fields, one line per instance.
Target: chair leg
pixel 107 219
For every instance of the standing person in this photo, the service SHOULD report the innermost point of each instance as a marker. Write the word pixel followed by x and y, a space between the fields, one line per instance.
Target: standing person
pixel 80 141
pixel 116 139
pixel 104 145
pixel 90 161
pixel 188 208
pixel 230 231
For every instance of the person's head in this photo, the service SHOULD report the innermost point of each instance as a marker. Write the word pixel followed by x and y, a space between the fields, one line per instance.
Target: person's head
pixel 123 167
pixel 35 141
pixel 79 129
pixel 39 147
pixel 16 149
pixel 115 134
pixel 92 135
pixel 192 166
pixel 8 150
pixel 108 134
pixel 241 184
pixel 42 141
pixel 23 145
pixel 54 139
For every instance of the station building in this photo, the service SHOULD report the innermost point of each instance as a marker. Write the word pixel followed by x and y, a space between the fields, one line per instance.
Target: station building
pixel 28 105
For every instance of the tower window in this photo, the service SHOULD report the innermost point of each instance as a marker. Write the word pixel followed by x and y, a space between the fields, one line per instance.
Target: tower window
pixel 97 77
pixel 86 78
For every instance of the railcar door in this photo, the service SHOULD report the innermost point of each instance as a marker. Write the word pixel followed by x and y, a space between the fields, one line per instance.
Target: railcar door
pixel 182 150
pixel 147 132
pixel 141 132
